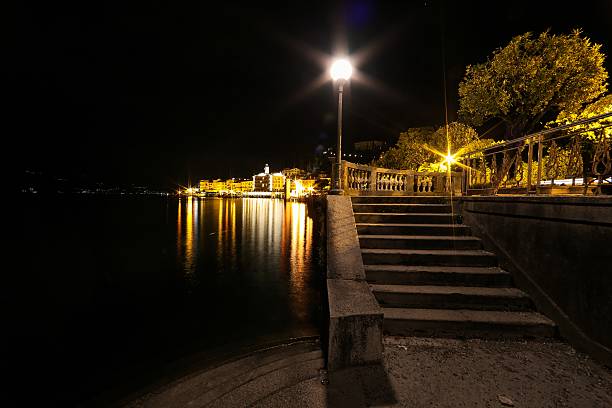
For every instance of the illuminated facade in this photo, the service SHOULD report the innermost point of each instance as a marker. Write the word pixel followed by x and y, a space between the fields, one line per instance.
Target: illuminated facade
pixel 205 185
pixel 293 174
pixel 268 182
pixel 231 186
pixel 218 185
pixel 300 188
pixel 246 186
pixel 288 183
pixel 278 182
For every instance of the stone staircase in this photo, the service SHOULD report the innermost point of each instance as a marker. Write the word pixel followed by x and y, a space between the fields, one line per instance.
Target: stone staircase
pixel 433 278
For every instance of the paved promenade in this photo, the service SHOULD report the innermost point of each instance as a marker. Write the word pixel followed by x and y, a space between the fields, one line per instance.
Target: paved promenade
pixel 417 372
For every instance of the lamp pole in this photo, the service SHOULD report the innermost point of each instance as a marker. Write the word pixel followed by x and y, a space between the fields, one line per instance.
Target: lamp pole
pixel 341 71
pixel 338 185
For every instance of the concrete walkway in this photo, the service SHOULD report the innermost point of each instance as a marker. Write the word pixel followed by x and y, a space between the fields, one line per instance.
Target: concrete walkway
pixel 417 372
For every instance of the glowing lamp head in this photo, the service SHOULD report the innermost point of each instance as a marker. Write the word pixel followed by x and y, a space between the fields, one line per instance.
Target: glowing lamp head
pixel 341 69
pixel 450 159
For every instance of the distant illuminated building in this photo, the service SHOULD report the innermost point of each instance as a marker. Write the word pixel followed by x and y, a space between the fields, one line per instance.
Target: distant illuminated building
pixel 278 182
pixel 268 182
pixel 219 185
pixel 289 183
pixel 300 188
pixel 205 185
pixel 293 174
pixel 241 186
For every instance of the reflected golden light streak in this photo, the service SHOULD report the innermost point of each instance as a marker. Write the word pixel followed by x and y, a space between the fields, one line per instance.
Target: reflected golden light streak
pixel 219 229
pixel 189 255
pixel 300 241
pixel 233 232
pixel 179 231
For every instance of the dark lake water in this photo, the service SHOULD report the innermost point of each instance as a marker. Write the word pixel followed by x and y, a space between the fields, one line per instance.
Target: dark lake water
pixel 111 290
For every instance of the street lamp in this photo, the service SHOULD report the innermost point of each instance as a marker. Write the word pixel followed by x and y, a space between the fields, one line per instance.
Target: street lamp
pixel 340 72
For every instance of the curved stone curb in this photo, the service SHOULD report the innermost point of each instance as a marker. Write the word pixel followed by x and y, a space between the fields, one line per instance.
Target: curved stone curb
pixel 242 380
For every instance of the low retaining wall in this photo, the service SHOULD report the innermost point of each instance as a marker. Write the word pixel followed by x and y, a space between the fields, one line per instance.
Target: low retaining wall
pixel 559 250
pixel 355 318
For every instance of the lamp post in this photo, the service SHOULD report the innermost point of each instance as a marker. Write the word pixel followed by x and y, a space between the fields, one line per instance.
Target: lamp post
pixel 340 71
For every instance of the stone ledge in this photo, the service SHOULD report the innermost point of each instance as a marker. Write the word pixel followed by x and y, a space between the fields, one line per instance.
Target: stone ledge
pixel 355 325
pixel 343 251
pixel 355 318
pixel 350 298
pixel 601 200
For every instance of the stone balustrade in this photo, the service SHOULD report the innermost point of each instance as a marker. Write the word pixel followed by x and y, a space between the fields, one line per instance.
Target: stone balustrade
pixel 360 179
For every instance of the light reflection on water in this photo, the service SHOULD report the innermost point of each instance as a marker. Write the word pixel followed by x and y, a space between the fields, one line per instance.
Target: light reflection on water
pixel 261 244
pixel 266 234
pixel 120 287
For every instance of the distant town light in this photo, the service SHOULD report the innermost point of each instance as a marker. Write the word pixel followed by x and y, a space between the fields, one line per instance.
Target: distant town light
pixel 341 69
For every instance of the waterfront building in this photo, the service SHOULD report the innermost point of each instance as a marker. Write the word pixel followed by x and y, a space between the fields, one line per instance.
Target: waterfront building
pixel 268 182
pixel 218 186
pixel 230 186
pixel 205 185
pixel 278 182
pixel 246 186
pixel 293 173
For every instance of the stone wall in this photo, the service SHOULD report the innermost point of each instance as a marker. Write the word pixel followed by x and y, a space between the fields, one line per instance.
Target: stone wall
pixel 559 250
pixel 355 318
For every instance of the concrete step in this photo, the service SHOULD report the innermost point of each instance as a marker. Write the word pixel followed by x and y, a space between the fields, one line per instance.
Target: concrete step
pixel 413 218
pixel 266 384
pixel 428 257
pixel 466 323
pixel 438 275
pixel 419 242
pixel 452 297
pixel 243 381
pixel 401 199
pixel 372 228
pixel 401 208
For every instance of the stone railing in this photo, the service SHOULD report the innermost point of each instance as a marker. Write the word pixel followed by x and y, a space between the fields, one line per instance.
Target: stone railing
pixel 360 179
pixel 571 159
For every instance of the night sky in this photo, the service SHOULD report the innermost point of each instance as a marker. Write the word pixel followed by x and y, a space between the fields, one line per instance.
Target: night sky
pixel 159 93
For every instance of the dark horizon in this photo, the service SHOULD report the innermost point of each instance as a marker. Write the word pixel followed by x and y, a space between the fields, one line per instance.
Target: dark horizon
pixel 157 95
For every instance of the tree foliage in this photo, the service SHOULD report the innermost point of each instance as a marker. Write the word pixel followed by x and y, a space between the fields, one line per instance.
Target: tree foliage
pixel 413 150
pixel 409 153
pixel 599 107
pixel 533 77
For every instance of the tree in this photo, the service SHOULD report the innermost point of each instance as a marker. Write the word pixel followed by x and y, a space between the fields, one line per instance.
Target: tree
pixel 532 78
pixel 599 107
pixel 409 152
pixel 415 149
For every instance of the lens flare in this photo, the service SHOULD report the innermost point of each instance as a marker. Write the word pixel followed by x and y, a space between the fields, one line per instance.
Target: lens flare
pixel 341 69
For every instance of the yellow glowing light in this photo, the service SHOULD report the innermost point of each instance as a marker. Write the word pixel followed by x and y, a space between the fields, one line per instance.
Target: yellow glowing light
pixel 450 159
pixel 341 69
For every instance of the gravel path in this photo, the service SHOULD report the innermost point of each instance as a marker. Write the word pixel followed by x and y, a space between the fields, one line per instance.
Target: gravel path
pixel 427 372
pixel 417 372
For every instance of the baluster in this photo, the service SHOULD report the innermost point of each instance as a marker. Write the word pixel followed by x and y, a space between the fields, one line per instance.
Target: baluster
pixel 518 166
pixel 602 162
pixel 540 161
pixel 482 177
pixel 575 163
pixel 493 177
pixel 529 164
pixel 551 167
